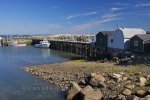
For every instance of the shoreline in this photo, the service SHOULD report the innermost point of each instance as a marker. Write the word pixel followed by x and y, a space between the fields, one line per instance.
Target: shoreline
pixel 62 75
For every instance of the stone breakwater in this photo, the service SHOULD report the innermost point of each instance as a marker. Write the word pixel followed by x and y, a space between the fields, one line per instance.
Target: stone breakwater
pixel 96 81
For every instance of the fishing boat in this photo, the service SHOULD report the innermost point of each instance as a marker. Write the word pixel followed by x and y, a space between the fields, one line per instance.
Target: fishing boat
pixel 21 44
pixel 11 43
pixel 43 44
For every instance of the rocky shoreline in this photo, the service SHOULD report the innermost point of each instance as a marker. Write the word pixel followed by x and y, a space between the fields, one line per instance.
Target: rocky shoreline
pixel 85 80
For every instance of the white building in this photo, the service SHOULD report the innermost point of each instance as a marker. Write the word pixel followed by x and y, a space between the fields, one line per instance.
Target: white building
pixel 121 37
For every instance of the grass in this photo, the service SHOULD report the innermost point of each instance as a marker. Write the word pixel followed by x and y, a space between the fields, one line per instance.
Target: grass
pixel 108 67
pixel 79 60
pixel 146 88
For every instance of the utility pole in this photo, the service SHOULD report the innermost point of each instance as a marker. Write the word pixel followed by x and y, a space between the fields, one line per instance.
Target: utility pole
pixel 117 26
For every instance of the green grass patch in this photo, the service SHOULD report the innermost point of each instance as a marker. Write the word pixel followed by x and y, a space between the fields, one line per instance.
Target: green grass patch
pixel 145 88
pixel 79 60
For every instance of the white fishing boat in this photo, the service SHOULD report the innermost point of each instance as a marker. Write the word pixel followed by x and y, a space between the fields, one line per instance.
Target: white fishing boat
pixel 11 43
pixel 21 45
pixel 43 44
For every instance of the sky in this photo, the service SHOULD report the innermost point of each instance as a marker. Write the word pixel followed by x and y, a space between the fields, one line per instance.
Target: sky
pixel 72 16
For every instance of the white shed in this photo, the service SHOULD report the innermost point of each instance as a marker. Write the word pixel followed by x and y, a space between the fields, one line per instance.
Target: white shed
pixel 121 37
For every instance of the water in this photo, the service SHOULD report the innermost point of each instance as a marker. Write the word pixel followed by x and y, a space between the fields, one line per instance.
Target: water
pixel 16 84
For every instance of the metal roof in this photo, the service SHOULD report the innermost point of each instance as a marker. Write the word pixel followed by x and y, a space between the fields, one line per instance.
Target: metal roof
pixel 130 32
pixel 145 37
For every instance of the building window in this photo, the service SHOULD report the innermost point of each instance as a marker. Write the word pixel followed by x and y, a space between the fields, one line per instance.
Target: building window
pixel 111 40
pixel 135 43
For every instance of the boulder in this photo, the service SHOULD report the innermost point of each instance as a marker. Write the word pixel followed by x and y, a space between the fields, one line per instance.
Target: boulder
pixel 86 90
pixel 116 77
pixel 129 62
pixel 124 78
pixel 147 97
pixel 98 77
pixel 73 92
pixel 130 87
pixel 97 83
pixel 133 97
pixel 148 92
pixel 82 82
pixel 120 97
pixel 140 93
pixel 126 92
pixel 142 81
pixel 93 95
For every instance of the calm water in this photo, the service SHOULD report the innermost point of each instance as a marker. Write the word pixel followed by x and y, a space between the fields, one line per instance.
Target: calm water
pixel 15 84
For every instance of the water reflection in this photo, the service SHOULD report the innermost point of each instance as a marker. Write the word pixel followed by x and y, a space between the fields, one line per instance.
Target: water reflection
pixel 46 53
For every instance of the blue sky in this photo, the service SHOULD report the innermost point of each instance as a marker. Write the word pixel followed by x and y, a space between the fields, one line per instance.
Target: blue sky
pixel 75 16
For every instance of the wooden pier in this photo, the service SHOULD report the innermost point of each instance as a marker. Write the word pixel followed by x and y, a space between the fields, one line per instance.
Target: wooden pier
pixel 85 49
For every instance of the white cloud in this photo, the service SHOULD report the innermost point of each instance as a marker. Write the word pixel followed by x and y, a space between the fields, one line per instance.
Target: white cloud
pixel 84 14
pixel 94 23
pixel 121 4
pixel 106 20
pixel 143 5
pixel 115 9
pixel 110 15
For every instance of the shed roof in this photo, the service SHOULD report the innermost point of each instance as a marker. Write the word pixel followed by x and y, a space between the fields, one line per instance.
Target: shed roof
pixel 130 32
pixel 144 37
pixel 108 33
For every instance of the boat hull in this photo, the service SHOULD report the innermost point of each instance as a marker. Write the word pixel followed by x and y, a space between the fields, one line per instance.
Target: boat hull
pixel 42 46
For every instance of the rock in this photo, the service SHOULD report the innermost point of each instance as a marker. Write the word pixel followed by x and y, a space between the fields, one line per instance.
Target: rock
pixel 133 97
pixel 129 62
pixel 126 92
pixel 130 87
pixel 138 73
pixel 124 78
pixel 97 80
pixel 98 77
pixel 27 69
pixel 93 95
pixel 82 82
pixel 147 97
pixel 142 81
pixel 132 56
pixel 120 97
pixel 73 93
pixel 148 92
pixel 97 83
pixel 117 77
pixel 101 84
pixel 148 77
pixel 115 59
pixel 122 73
pixel 86 90
pixel 140 93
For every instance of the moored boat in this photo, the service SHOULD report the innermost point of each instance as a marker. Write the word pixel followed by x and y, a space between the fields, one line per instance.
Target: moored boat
pixel 43 44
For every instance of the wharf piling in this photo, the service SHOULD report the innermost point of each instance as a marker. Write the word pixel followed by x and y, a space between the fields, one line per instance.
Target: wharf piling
pixel 85 49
